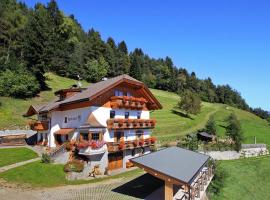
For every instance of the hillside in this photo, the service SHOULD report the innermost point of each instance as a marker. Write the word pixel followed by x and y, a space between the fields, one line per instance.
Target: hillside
pixel 171 122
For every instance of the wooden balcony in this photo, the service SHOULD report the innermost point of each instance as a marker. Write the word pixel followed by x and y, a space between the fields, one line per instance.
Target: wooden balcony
pixel 133 144
pixel 130 123
pixel 126 102
pixel 39 125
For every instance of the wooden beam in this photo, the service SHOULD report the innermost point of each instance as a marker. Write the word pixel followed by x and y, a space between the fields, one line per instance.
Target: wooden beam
pixel 168 190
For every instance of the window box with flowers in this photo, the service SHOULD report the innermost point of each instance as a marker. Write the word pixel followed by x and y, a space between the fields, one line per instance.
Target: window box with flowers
pixel 135 143
pixel 141 142
pixel 121 145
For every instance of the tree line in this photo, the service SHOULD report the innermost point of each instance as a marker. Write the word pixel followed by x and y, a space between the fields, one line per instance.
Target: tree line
pixel 36 40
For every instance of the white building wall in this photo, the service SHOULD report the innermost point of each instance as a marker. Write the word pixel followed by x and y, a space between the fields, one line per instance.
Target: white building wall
pixel 77 117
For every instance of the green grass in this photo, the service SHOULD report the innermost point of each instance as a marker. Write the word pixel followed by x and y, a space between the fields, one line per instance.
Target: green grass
pixel 248 179
pixel 13 155
pixel 38 174
pixel 12 110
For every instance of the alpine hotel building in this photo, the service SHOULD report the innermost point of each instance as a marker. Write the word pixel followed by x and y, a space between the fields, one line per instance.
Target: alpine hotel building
pixel 109 121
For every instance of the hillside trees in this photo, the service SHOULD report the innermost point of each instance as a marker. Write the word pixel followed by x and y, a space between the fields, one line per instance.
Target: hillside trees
pixel 234 131
pixel 190 103
pixel 210 126
pixel 18 84
pixel 44 39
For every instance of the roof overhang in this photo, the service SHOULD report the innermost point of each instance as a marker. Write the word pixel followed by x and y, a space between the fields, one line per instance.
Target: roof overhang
pixel 31 111
pixel 64 131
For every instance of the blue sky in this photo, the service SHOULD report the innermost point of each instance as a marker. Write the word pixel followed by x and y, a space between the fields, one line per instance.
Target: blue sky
pixel 226 40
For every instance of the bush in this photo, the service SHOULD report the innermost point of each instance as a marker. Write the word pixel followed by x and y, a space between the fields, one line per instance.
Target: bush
pixel 19 84
pixel 45 158
pixel 218 181
pixel 74 166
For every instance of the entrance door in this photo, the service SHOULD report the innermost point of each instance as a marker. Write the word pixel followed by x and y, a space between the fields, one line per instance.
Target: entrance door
pixel 58 139
pixel 115 160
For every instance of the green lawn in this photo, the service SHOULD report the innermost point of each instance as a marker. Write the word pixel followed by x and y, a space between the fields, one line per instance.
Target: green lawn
pixel 13 155
pixel 248 179
pixel 38 174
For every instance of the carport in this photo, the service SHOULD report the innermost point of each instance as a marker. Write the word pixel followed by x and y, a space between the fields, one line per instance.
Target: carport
pixel 189 170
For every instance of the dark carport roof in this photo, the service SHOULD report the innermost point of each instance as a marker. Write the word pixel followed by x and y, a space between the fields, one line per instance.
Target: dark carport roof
pixel 174 162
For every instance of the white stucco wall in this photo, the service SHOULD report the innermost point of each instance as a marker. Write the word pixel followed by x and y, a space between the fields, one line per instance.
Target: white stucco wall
pixel 77 117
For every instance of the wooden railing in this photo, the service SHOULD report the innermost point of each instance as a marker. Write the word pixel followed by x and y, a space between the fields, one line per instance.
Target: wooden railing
pixel 127 102
pixel 130 123
pixel 201 182
pixel 60 149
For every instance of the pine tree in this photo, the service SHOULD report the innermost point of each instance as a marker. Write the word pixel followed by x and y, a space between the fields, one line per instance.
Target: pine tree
pixel 211 126
pixel 122 47
pixel 234 131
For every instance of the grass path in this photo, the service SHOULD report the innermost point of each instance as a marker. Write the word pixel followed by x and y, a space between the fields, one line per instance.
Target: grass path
pixel 8 167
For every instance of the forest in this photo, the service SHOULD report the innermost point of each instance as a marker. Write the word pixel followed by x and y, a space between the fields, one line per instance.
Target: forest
pixel 44 39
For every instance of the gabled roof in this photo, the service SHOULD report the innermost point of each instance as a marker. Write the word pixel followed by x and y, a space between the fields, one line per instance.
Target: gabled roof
pixel 95 90
pixel 174 162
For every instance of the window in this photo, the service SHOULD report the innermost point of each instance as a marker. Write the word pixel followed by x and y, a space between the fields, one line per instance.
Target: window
pixel 118 93
pixel 95 136
pixel 112 114
pixel 126 115
pixel 138 115
pixel 44 117
pixel 79 118
pixel 139 135
pixel 66 119
pixel 85 136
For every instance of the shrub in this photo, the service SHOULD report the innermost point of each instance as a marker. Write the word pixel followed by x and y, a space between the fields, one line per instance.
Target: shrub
pixel 45 158
pixel 218 181
pixel 74 166
pixel 19 84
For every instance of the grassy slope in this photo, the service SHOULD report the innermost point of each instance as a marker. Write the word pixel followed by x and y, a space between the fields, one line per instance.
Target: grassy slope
pixel 13 155
pixel 247 179
pixel 170 125
pixel 12 109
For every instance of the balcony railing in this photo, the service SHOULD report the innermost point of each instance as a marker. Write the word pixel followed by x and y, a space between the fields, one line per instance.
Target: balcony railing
pixel 132 144
pixel 39 125
pixel 127 102
pixel 130 123
pixel 91 147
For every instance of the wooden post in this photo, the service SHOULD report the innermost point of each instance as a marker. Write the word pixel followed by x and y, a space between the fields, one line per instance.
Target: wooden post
pixel 168 190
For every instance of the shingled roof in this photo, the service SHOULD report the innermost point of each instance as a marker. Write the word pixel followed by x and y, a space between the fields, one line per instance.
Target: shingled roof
pixel 92 90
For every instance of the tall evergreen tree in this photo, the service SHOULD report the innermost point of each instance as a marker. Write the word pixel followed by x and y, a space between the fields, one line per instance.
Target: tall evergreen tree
pixel 122 47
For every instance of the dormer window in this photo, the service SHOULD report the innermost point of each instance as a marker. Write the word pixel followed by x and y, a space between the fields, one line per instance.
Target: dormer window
pixel 118 93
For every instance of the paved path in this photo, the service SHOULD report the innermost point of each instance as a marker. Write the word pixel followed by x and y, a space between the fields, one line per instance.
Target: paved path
pixel 5 168
pixel 223 155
